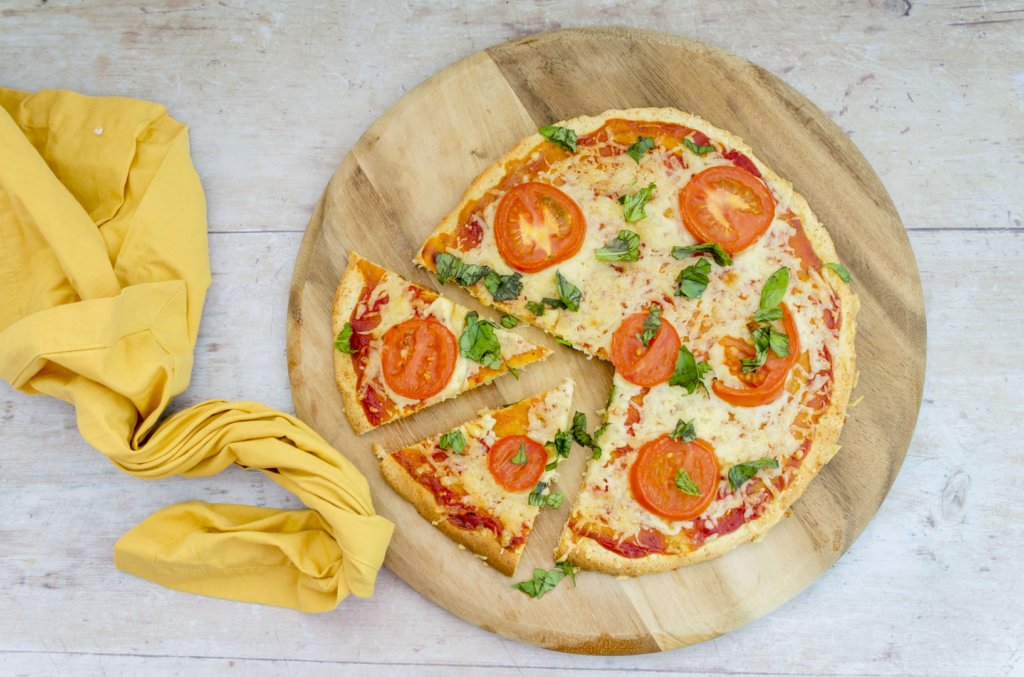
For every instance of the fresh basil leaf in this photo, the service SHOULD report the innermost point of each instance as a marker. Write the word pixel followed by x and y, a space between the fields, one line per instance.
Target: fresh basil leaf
pixel 569 571
pixel 508 321
pixel 554 500
pixel 454 440
pixel 446 266
pixel 611 396
pixel 536 496
pixel 684 432
pixel 528 586
pixel 535 308
pixel 597 453
pixel 564 343
pixel 512 370
pixel 560 136
pixel 779 343
pixel 689 374
pixel 685 484
pixel 768 314
pixel 579 433
pixel 739 474
pixel 344 340
pixel 479 343
pixel 843 274
pixel 600 430
pixel 762 341
pixel 562 444
pixel 642 145
pixel 503 287
pixel 552 465
pixel 652 323
pixel 721 257
pixel 633 205
pixel 554 304
pixel 775 288
pixel 541 583
pixel 693 280
pixel 697 150
pixel 625 247
pixel 568 293
pixel 470 274
pixel 520 457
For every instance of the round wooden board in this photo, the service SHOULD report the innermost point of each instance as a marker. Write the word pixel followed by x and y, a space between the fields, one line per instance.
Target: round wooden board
pixel 411 168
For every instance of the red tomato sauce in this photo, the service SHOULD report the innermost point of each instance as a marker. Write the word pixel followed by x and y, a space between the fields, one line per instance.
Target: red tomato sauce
pixel 647 542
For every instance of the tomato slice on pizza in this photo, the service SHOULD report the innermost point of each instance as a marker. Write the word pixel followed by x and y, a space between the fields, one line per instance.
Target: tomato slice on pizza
pixel 538 226
pixel 484 483
pixel 399 347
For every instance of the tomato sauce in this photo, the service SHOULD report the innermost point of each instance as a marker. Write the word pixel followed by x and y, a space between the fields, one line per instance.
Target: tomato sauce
pixel 742 161
pixel 646 542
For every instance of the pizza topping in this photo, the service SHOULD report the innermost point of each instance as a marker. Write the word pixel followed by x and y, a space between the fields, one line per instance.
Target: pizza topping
pixel 503 287
pixel 689 373
pixel 479 343
pixel 726 206
pixel 651 325
pixel 775 288
pixel 843 274
pixel 568 293
pixel 453 440
pixel 516 462
pixel 642 145
pixel 418 358
pixel 698 150
pixel 721 257
pixel 537 226
pixel 343 341
pixel 656 468
pixel 450 267
pixel 560 136
pixel 645 365
pixel 509 321
pixel 742 161
pixel 633 205
pixel 562 444
pixel 580 434
pixel 539 498
pixel 625 247
pixel 544 581
pixel 684 432
pixel 767 382
pixel 740 473
pixel 693 280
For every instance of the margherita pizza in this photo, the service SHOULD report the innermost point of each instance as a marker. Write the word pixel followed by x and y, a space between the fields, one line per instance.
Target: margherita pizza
pixel 399 347
pixel 654 240
pixel 483 483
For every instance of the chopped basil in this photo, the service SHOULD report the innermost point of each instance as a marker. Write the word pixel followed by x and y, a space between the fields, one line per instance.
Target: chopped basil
pixel 508 321
pixel 685 484
pixel 652 323
pixel 775 288
pixel 568 293
pixel 451 267
pixel 779 343
pixel 479 343
pixel 545 581
pixel 625 247
pixel 633 205
pixel 684 432
pixel 721 257
pixel 642 145
pixel 579 433
pixel 552 465
pixel 843 274
pixel 344 340
pixel 512 370
pixel 560 136
pixel 520 457
pixel 535 308
pixel 562 444
pixel 503 287
pixel 768 314
pixel 739 474
pixel 563 342
pixel 764 338
pixel 454 440
pixel 693 280
pixel 600 431
pixel 698 150
pixel 537 497
pixel 689 373
pixel 611 396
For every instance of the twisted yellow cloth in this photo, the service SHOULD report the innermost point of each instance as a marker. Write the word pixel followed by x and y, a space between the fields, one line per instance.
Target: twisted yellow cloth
pixel 103 270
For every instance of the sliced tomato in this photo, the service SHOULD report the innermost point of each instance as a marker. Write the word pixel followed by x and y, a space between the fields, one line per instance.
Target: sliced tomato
pixel 652 479
pixel 538 226
pixel 644 366
pixel 513 476
pixel 418 358
pixel 727 206
pixel 768 382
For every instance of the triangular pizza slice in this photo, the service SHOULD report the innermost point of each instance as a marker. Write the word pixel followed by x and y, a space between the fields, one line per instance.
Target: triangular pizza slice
pixel 399 347
pixel 484 483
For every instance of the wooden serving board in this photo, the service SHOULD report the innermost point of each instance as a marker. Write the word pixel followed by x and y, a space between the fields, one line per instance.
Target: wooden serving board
pixel 411 168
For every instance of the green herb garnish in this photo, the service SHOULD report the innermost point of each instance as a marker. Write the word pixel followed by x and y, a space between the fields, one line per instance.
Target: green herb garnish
pixel 768 314
pixel 560 136
pixel 568 293
pixel 684 432
pixel 344 340
pixel 545 581
pixel 625 247
pixel 633 205
pixel 508 321
pixel 580 434
pixel 454 440
pixel 503 287
pixel 693 280
pixel 652 323
pixel 721 257
pixel 563 342
pixel 698 150
pixel 520 457
pixel 562 444
pixel 689 373
pixel 537 497
pixel 450 267
pixel 739 474
pixel 685 484
pixel 843 274
pixel 479 343
pixel 775 288
pixel 642 145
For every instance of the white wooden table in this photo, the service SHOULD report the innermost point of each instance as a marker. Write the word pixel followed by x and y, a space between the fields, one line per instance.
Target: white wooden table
pixel 276 94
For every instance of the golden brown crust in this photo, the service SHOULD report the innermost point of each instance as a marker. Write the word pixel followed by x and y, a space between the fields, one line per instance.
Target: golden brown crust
pixel 586 553
pixel 481 542
pixel 345 299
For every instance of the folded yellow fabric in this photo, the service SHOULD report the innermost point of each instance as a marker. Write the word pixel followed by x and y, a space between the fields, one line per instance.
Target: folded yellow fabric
pixel 103 270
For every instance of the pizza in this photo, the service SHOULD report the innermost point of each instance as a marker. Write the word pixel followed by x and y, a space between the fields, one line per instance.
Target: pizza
pixel 656 241
pixel 400 347
pixel 484 483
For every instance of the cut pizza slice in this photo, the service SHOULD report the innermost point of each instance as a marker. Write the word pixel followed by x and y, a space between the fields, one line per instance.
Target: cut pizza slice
pixel 484 483
pixel 400 347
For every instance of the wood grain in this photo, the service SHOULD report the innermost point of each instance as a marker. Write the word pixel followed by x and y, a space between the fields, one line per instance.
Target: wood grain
pixel 410 168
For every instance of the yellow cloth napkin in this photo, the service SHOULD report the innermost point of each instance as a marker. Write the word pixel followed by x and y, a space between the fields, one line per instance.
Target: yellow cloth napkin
pixel 103 270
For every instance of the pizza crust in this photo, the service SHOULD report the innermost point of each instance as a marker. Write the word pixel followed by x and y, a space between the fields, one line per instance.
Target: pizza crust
pixel 585 552
pixel 345 299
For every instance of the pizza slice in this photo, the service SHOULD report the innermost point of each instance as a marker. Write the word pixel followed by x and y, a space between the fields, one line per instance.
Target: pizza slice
pixel 484 483
pixel 400 347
